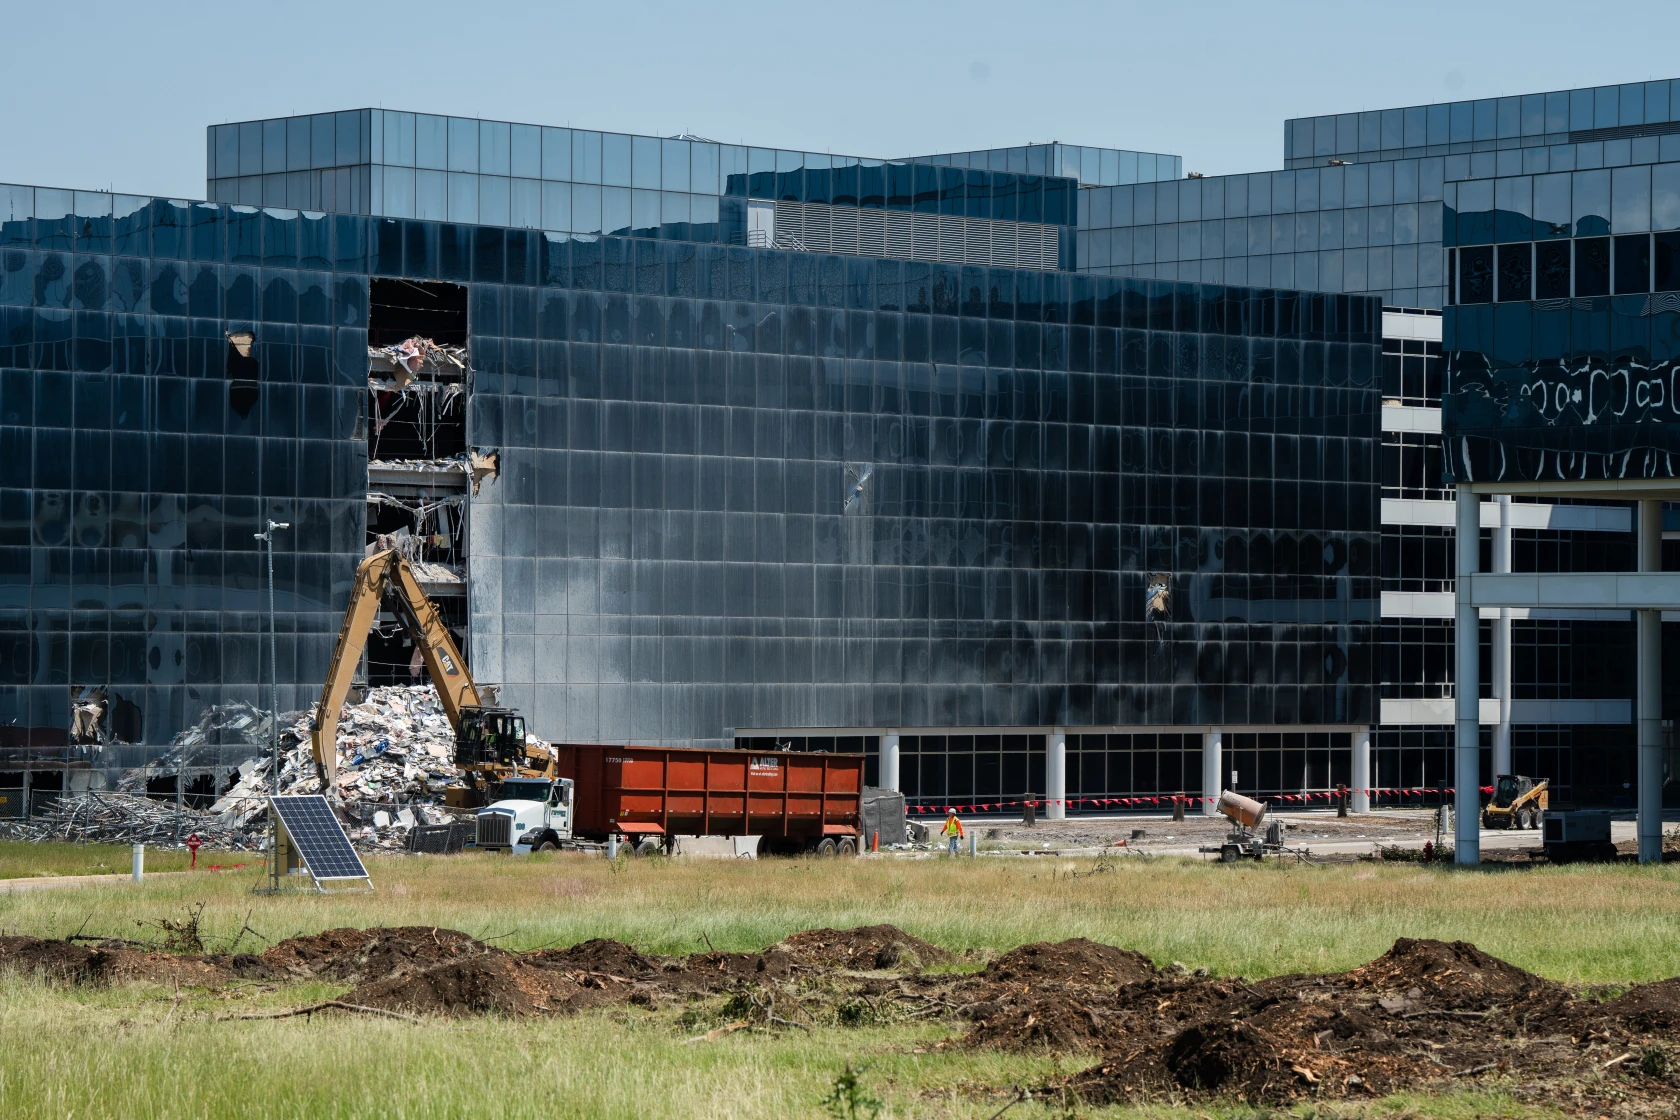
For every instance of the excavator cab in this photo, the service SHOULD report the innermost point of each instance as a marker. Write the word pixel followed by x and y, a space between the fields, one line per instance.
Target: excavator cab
pixel 489 737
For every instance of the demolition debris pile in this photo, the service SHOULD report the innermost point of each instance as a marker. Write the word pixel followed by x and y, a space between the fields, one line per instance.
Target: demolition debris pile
pixel 395 758
pixel 126 818
pixel 1426 1016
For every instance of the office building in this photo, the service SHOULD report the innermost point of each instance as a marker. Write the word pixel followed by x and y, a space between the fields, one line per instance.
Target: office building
pixel 908 457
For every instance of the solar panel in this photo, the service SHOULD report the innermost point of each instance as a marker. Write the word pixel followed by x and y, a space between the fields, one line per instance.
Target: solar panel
pixel 318 837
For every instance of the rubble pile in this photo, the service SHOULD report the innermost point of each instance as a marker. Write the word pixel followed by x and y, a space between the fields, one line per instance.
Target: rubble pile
pixel 396 756
pixel 126 818
pixel 415 357
pixel 235 725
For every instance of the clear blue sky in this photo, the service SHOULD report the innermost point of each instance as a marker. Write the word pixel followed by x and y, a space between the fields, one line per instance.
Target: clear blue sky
pixel 117 95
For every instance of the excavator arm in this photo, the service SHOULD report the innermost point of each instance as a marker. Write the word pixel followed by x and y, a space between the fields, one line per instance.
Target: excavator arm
pixel 381 572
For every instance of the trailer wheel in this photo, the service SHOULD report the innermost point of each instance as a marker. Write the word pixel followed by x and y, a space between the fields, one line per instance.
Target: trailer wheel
pixel 847 846
pixel 647 847
pixel 825 847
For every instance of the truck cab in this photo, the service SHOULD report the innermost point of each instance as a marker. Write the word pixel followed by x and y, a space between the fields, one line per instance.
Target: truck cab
pixel 528 815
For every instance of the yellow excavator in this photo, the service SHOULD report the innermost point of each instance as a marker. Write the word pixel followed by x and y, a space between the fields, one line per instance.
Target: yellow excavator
pixel 1517 802
pixel 489 741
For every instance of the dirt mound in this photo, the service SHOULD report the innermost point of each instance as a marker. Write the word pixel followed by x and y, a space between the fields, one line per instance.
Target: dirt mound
pixel 69 963
pixel 866 948
pixel 1276 1052
pixel 1077 961
pixel 1454 975
pixel 1423 1015
pixel 1653 1008
pixel 598 955
pixel 54 960
pixel 361 955
pixel 490 983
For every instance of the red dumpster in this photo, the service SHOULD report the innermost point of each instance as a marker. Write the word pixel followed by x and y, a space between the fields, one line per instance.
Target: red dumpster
pixel 795 801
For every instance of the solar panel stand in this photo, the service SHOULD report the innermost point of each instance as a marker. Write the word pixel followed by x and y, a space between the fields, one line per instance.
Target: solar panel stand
pixel 311 822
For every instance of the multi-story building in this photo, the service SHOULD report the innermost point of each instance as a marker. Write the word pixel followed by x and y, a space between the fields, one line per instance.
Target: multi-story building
pixel 750 446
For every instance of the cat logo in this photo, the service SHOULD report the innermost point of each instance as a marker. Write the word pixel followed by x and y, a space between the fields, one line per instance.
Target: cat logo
pixel 448 662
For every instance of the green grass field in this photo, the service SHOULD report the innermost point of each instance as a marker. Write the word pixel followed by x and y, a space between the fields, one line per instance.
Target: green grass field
pixel 146 1052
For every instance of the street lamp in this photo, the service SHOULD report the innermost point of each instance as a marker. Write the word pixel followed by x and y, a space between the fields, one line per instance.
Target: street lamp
pixel 273 652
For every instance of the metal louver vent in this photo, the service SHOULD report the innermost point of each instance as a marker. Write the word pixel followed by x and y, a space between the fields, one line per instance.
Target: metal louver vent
pixel 872 233
pixel 843 229
pixel 900 235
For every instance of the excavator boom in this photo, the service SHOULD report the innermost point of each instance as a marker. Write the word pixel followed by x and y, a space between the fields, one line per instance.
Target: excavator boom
pixel 377 574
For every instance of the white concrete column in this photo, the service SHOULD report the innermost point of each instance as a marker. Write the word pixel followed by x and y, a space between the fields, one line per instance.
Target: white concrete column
pixel 1213 765
pixel 1055 775
pixel 887 770
pixel 1502 646
pixel 1650 692
pixel 1359 801
pixel 1467 771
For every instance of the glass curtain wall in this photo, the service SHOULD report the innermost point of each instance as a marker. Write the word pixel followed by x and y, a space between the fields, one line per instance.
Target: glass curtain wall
pixel 746 488
pixel 140 449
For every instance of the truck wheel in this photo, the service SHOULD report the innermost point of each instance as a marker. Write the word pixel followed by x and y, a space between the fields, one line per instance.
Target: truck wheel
pixel 825 847
pixel 847 846
pixel 648 847
pixel 547 845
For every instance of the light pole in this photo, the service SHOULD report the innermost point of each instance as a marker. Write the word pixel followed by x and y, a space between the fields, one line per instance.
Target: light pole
pixel 273 653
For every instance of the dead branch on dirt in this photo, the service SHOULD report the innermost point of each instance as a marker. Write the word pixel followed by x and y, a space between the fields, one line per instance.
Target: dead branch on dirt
pixel 326 1005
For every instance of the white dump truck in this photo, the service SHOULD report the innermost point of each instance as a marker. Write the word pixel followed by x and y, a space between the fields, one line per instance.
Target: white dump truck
pixel 528 815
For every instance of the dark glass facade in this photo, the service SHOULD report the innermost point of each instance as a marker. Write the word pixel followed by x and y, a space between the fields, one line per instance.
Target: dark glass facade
pixel 1575 389
pixel 737 488
pixel 747 489
pixel 138 457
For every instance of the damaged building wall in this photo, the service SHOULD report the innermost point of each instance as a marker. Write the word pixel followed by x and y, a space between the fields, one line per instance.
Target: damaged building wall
pixel 213 377
pixel 419 466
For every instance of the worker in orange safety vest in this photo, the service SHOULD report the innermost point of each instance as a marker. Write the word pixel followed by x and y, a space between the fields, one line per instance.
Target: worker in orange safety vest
pixel 953 830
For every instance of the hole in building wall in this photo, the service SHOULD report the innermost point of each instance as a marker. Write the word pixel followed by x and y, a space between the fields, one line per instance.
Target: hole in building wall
pixel 401 309
pixel 241 355
pixel 390 651
pixel 418 367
